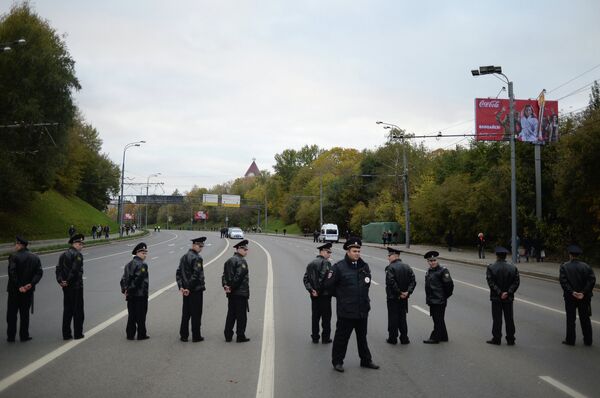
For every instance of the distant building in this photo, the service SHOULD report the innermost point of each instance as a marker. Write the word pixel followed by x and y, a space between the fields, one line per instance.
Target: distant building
pixel 253 170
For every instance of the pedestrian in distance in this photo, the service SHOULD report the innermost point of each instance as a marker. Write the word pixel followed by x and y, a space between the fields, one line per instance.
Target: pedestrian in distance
pixel 24 272
pixel 236 285
pixel 503 280
pixel 190 281
pixel 314 282
pixel 135 286
pixel 577 280
pixel 316 236
pixel 94 229
pixel 399 285
pixel 69 275
pixel 71 231
pixel 481 245
pixel 351 279
pixel 438 288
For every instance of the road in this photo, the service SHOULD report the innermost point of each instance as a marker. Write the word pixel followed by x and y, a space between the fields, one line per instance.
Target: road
pixel 280 359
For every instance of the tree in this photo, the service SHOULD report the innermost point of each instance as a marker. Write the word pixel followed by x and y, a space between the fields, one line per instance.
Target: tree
pixel 36 82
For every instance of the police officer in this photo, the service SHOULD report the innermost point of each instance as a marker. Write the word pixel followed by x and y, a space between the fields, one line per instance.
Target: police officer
pixel 314 279
pixel 351 279
pixel 399 285
pixel 577 280
pixel 24 272
pixel 503 280
pixel 438 288
pixel 190 280
pixel 69 275
pixel 134 285
pixel 237 288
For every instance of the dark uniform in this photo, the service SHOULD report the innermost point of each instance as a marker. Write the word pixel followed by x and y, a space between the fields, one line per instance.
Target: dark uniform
pixel 314 279
pixel 577 278
pixel 236 279
pixel 351 281
pixel 135 286
pixel 190 276
pixel 438 288
pixel 24 268
pixel 399 277
pixel 70 271
pixel 502 277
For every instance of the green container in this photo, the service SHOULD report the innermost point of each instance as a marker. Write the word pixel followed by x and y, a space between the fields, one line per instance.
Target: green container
pixel 373 232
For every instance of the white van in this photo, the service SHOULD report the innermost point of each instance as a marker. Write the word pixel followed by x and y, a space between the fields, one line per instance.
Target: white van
pixel 329 233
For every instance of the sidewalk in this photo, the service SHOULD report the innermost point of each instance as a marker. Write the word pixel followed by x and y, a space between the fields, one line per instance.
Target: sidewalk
pixel 33 244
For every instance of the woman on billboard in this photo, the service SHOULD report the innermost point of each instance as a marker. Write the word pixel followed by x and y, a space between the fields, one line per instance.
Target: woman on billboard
pixel 529 125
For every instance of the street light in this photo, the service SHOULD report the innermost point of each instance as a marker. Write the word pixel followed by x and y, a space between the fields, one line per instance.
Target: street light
pixel 147 184
pixel 121 199
pixel 497 70
pixel 6 47
pixel 394 136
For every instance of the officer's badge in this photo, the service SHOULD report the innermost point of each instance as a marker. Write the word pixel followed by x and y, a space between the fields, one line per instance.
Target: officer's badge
pixel 330 274
pixel 143 270
pixel 244 266
pixel 367 279
pixel 446 275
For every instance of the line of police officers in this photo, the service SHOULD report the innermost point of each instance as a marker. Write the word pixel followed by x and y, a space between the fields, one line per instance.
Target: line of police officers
pixel 349 280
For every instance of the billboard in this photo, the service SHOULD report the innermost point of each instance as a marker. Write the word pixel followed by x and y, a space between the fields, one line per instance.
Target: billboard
pixel 201 215
pixel 209 199
pixel 230 200
pixel 536 121
pixel 159 199
pixel 128 216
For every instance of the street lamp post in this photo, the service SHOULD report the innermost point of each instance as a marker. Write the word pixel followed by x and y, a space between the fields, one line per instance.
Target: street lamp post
pixel 121 199
pixel 487 70
pixel 146 206
pixel 400 137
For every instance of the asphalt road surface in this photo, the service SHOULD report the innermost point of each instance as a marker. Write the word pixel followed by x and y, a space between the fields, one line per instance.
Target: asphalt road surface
pixel 280 360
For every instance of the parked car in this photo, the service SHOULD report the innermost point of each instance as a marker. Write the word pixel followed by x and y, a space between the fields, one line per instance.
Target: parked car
pixel 235 233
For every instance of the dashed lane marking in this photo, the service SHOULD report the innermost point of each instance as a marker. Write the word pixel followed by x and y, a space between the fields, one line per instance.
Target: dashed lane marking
pixel 424 311
pixel 564 388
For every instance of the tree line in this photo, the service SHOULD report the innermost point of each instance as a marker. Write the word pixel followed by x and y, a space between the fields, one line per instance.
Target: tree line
pixel 45 142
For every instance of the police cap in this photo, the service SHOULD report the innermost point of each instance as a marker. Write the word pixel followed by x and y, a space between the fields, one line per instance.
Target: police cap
pixel 242 245
pixel 574 249
pixel 501 250
pixel 76 238
pixel 432 254
pixel 21 241
pixel 199 241
pixel 139 247
pixel 326 246
pixel 392 250
pixel 352 242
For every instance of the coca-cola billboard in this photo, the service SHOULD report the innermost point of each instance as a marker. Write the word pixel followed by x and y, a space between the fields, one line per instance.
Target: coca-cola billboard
pixel 492 122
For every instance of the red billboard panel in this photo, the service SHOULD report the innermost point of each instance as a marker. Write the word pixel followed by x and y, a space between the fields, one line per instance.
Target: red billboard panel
pixel 492 120
pixel 201 215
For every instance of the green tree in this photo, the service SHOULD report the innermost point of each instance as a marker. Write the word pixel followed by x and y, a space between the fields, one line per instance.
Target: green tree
pixel 36 82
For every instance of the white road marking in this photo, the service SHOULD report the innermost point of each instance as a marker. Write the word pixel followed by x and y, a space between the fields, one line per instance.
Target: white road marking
pixel 424 311
pixel 375 283
pixel 154 258
pixel 266 376
pixel 41 362
pixel 566 389
pixel 171 244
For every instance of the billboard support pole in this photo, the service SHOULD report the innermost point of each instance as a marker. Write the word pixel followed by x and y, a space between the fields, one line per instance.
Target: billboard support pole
pixel 513 173
pixel 538 181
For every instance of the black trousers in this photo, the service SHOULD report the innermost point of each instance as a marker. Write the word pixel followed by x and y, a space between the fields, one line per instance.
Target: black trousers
pixel 437 313
pixel 481 251
pixel 137 307
pixel 584 307
pixel 343 330
pixel 18 303
pixel 192 308
pixel 397 310
pixel 506 308
pixel 321 311
pixel 236 315
pixel 72 311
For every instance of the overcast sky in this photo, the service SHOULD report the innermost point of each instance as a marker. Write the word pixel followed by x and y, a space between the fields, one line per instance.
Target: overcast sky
pixel 210 85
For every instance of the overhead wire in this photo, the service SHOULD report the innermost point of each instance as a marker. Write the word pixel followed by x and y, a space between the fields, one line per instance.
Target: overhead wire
pixel 575 78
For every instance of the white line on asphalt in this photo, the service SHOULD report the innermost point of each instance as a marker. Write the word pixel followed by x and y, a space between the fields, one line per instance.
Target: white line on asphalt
pixel 171 252
pixel 266 376
pixel 375 283
pixel 52 355
pixel 172 244
pixel 424 311
pixel 154 258
pixel 566 389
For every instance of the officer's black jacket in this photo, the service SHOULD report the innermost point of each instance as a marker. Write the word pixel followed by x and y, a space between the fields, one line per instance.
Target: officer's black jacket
pixel 316 272
pixel 24 268
pixel 438 285
pixel 577 276
pixel 70 269
pixel 235 275
pixel 502 277
pixel 351 283
pixel 190 274
pixel 135 280
pixel 399 277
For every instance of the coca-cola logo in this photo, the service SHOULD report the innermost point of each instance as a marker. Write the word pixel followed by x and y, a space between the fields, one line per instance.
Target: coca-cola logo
pixel 489 104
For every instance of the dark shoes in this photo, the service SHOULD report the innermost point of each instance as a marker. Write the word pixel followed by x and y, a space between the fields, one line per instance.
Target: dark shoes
pixel 143 337
pixel 369 365
pixel 494 342
pixel 242 339
pixel 510 342
pixel 565 342
pixel 327 341
pixel 339 367
pixel 184 339
pixel 10 339
pixel 404 341
pixel 430 341
pixel 196 340
pixel 24 339
pixel 79 337
pixel 391 341
pixel 315 341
